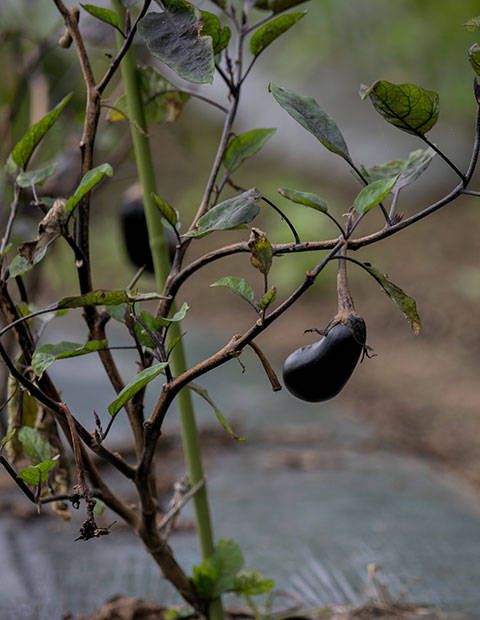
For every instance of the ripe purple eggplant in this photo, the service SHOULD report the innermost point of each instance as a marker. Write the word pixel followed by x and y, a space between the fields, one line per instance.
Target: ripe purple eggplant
pixel 318 371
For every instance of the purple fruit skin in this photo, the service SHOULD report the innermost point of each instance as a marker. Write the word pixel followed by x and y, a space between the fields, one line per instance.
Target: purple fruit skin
pixel 318 371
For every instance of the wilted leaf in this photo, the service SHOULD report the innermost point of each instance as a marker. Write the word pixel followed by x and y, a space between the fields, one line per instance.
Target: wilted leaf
pixel 405 303
pixel 229 214
pixel 237 285
pixel 261 249
pixel 373 194
pixel 135 385
pixel 34 445
pixel 174 36
pixel 251 582
pixel 406 106
pixel 304 198
pixel 20 264
pixel 24 149
pixel 310 115
pixel 36 177
pixel 206 397
pixel 44 356
pixel 270 31
pixel 105 15
pixel 168 212
pixel 472 24
pixel 268 298
pixel 245 145
pixel 88 182
pixel 49 229
pixel 105 298
pixel 38 473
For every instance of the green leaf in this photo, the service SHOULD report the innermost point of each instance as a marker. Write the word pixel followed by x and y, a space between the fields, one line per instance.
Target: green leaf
pixel 243 146
pixel 117 312
pixel 237 285
pixel 36 177
pixel 38 473
pixel 135 385
pixel 101 297
pixel 408 170
pixel 270 31
pixel 251 582
pixel 168 212
pixel 373 194
pixel 7 438
pixel 212 28
pixel 21 265
pixel 44 356
pixel 173 343
pixel 183 612
pixel 99 507
pixel 268 298
pixel 89 181
pixel 104 15
pixel 277 6
pixel 474 57
pixel 406 106
pixel 174 36
pixel 202 392
pixel 217 573
pixel 405 303
pixel 310 115
pixel 24 149
pixel 472 24
pixel 34 445
pixel 229 214
pixel 261 251
pixel 304 198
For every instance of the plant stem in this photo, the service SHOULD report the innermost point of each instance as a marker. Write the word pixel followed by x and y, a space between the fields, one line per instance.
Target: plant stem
pixel 161 265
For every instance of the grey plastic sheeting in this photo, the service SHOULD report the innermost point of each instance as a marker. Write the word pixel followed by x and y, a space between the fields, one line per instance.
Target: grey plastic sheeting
pixel 312 531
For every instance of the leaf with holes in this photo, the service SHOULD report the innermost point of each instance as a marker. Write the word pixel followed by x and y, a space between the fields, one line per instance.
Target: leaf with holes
pixel 251 582
pixel 261 251
pixel 174 36
pixel 237 285
pixel 268 298
pixel 135 385
pixel 373 194
pixel 273 29
pixel 304 198
pixel 406 106
pixel 24 149
pixel 405 303
pixel 243 146
pixel 44 355
pixel 92 178
pixel 229 214
pixel 310 115
pixel 105 298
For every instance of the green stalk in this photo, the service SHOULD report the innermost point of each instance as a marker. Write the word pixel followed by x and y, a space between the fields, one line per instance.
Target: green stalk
pixel 161 264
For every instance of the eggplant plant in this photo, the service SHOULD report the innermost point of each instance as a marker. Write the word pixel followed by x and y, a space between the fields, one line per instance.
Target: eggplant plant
pixel 197 45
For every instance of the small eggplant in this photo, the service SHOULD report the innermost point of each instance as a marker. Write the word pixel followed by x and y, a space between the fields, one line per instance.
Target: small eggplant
pixel 319 371
pixel 135 233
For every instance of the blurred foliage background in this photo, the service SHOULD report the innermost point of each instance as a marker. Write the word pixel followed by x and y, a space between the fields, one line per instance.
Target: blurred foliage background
pixel 421 387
